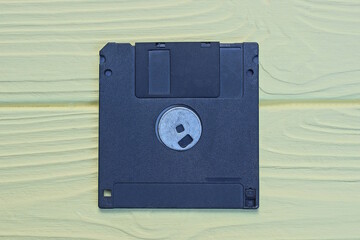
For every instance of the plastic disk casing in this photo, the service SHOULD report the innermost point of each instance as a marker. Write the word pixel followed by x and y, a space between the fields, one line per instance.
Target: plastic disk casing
pixel 179 125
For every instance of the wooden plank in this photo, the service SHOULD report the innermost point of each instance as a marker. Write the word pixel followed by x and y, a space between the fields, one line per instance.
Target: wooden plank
pixel 310 179
pixel 49 49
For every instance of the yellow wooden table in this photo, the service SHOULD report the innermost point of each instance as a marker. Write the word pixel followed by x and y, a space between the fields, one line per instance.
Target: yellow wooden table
pixel 309 116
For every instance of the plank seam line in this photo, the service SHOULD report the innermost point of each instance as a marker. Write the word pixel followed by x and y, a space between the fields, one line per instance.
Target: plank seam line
pixel 263 104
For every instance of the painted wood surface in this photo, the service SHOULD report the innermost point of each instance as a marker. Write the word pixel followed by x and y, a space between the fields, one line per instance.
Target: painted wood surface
pixel 309 180
pixel 309 116
pixel 49 49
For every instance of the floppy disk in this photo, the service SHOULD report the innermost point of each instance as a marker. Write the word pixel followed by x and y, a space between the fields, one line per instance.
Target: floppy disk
pixel 179 125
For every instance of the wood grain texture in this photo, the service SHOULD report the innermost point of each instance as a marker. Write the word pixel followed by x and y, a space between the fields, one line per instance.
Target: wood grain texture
pixel 310 181
pixel 49 49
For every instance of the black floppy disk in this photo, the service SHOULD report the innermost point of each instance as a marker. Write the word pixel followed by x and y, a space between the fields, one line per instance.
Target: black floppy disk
pixel 179 125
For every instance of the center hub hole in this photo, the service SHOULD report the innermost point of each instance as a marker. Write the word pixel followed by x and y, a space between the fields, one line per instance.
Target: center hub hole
pixel 180 128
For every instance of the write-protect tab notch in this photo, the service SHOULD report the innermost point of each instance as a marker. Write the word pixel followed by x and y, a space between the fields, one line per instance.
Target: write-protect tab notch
pixel 159 72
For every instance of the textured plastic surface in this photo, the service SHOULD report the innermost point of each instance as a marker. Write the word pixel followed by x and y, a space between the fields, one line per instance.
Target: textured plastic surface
pixel 220 171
